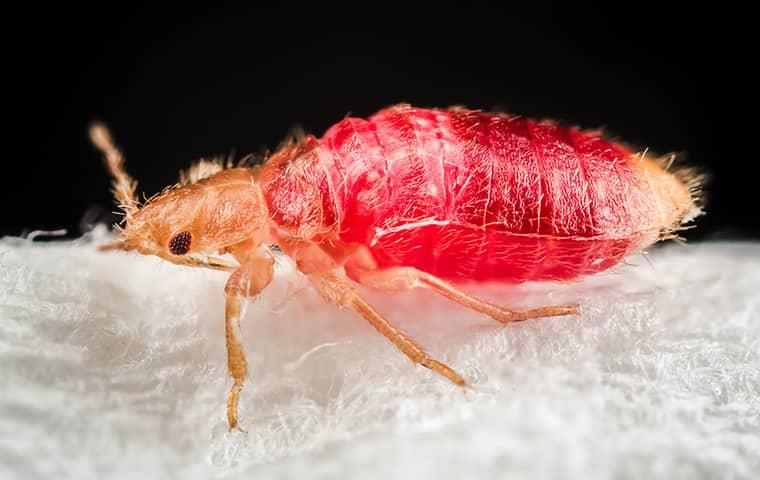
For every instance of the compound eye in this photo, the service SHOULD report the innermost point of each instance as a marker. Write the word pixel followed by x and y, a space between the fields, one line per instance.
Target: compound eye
pixel 180 243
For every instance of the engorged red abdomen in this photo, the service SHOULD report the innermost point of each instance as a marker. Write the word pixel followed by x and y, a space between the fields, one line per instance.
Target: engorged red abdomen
pixel 468 195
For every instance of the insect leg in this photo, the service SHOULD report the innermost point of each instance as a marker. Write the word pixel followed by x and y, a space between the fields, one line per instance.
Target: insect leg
pixel 340 292
pixel 236 362
pixel 405 278
pixel 245 282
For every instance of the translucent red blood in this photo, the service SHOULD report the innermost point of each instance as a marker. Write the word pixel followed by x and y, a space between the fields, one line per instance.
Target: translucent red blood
pixel 469 195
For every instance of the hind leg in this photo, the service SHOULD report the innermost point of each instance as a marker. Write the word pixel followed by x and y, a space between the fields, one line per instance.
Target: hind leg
pixel 405 278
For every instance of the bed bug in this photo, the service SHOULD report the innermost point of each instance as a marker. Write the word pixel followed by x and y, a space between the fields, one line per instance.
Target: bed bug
pixel 410 197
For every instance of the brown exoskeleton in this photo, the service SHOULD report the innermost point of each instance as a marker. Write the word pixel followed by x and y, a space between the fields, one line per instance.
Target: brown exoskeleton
pixel 186 224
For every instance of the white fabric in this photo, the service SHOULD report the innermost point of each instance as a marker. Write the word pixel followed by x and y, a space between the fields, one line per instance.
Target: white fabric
pixel 113 365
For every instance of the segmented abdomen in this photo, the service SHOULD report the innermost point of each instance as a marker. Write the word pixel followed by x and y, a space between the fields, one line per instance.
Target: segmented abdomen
pixel 468 195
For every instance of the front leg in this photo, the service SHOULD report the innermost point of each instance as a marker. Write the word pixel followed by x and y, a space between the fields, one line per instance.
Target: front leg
pixel 248 280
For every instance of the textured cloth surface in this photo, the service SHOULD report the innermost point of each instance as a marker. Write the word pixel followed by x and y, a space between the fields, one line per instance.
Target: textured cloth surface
pixel 113 365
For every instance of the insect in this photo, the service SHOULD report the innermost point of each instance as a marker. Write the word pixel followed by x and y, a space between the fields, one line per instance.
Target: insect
pixel 410 197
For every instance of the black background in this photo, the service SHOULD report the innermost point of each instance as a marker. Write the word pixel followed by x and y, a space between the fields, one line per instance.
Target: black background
pixel 178 83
